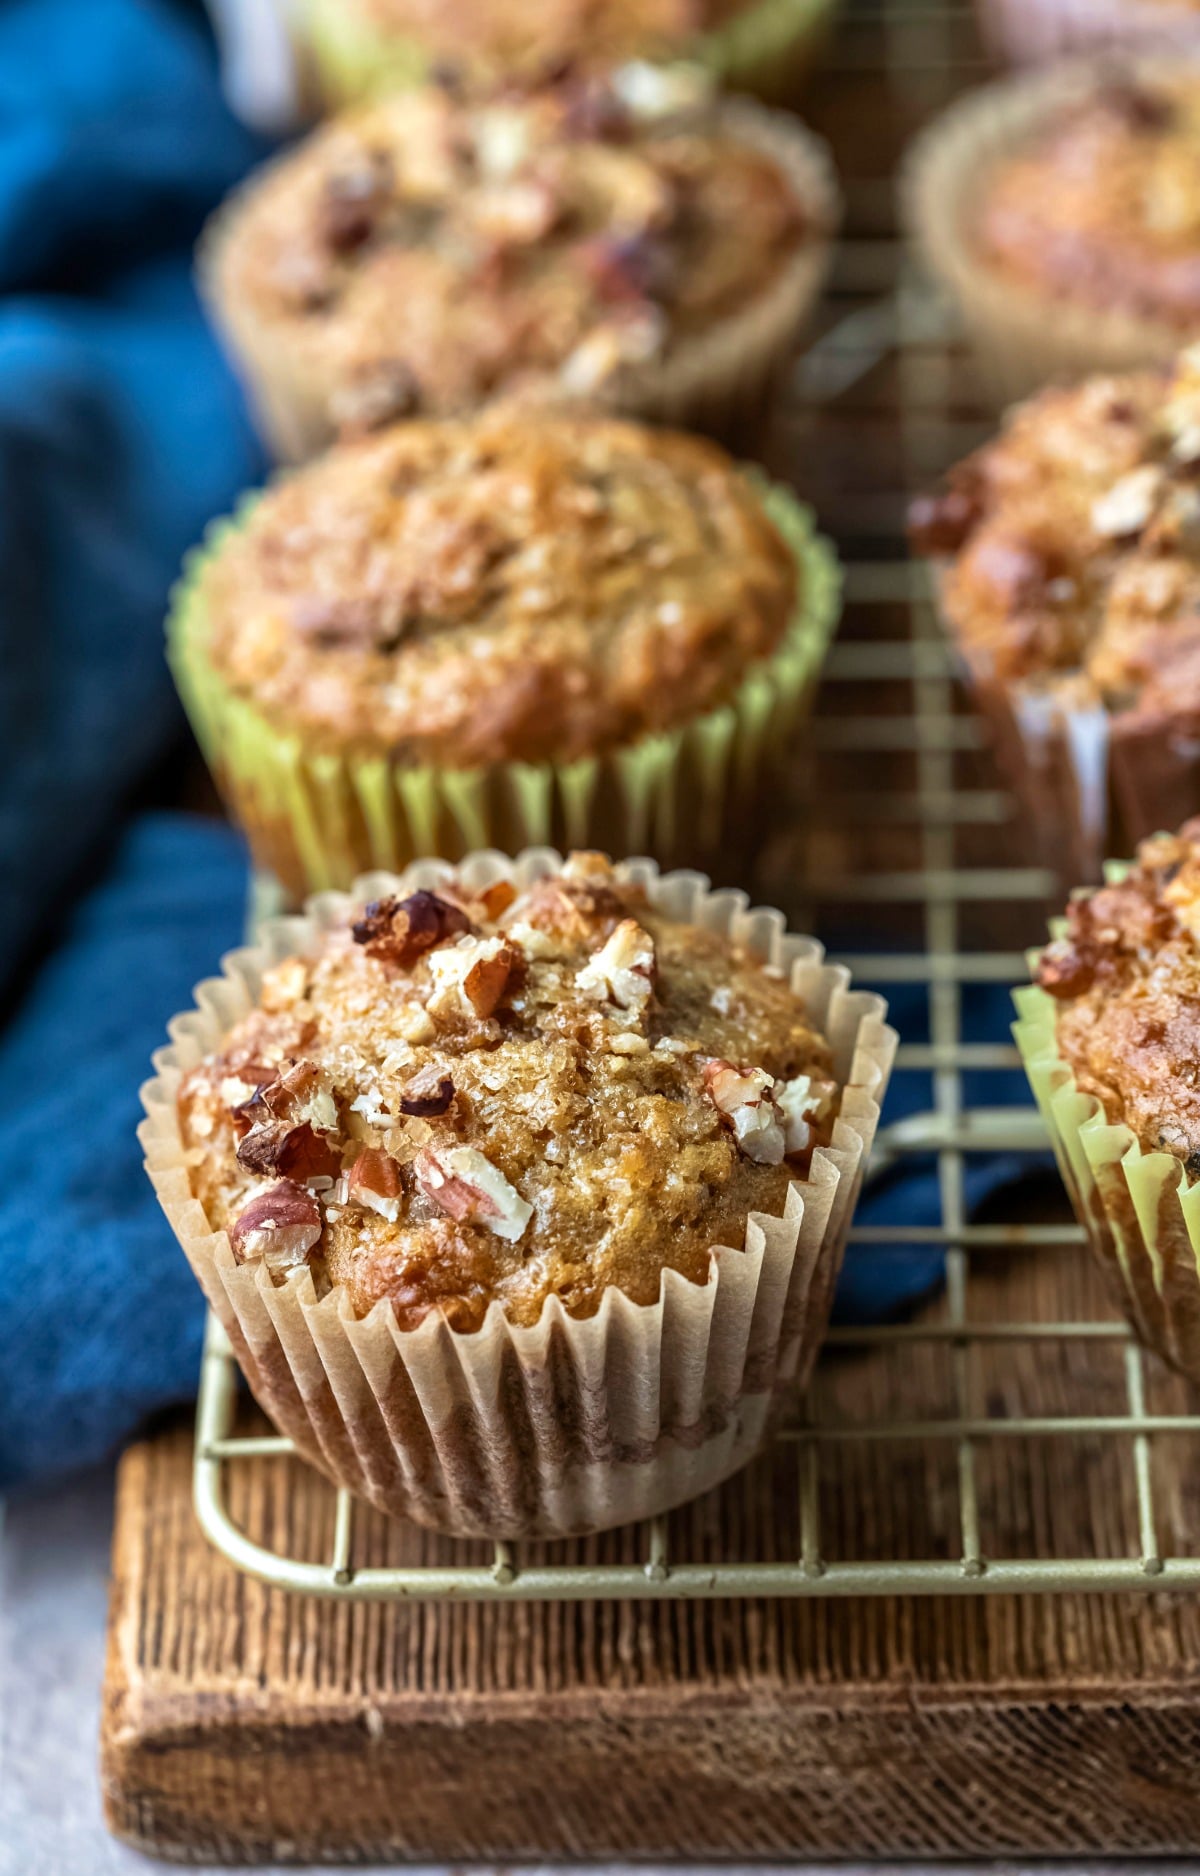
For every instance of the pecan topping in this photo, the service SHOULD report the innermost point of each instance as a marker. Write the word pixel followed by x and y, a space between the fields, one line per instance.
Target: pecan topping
pixel 274 1146
pixel 496 898
pixel 622 970
pixel 352 202
pixel 491 979
pixel 464 1184
pixel 743 1097
pixel 280 1226
pixel 382 391
pixel 427 1095
pixel 399 931
pixel 940 524
pixel 634 266
pixel 1064 971
pixel 374 1181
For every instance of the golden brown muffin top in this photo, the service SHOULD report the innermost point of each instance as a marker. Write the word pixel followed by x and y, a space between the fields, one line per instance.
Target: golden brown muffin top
pixel 1102 204
pixel 533 35
pixel 522 586
pixel 454 1099
pixel 422 253
pixel 1126 979
pixel 1072 543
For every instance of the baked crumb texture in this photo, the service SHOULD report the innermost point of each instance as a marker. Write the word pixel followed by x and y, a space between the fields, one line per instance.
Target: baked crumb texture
pixel 1102 205
pixel 1109 1035
pixel 517 587
pixel 457 1099
pixel 424 253
pixel 456 1174
pixel 1070 577
pixel 1125 978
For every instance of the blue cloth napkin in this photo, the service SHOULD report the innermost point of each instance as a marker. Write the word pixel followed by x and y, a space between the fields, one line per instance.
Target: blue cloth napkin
pixel 121 434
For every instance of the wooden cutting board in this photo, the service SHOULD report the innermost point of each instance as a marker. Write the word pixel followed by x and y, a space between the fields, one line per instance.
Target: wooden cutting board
pixel 245 1724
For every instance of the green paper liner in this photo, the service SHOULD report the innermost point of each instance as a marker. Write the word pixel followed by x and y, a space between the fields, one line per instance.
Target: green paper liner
pixel 767 49
pixel 318 820
pixel 1140 1211
pixel 724 381
pixel 564 1426
pixel 1022 338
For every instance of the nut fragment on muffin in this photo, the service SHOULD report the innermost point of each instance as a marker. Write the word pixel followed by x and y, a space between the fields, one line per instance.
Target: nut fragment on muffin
pixel 464 1097
pixel 1069 575
pixel 426 252
pixel 450 598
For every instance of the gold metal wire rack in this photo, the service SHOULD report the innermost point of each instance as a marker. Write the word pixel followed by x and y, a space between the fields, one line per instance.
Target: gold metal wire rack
pixel 887 363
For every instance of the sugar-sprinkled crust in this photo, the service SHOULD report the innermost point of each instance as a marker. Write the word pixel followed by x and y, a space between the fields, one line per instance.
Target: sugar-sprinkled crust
pixel 1126 979
pixel 1072 544
pixel 518 587
pixel 456 1099
pixel 422 253
pixel 1102 207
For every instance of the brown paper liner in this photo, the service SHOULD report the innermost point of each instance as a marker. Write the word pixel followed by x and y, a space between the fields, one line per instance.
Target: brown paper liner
pixel 722 382
pixel 568 1426
pixel 1088 784
pixel 1140 1211
pixel 1023 339
pixel 1031 32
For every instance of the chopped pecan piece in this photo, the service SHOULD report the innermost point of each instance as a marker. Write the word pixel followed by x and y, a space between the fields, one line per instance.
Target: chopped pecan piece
pixel 940 524
pixel 374 1181
pixel 427 1095
pixel 496 898
pixel 622 970
pixel 743 1097
pixel 491 979
pixel 384 390
pixel 1064 971
pixel 464 1184
pixel 1124 509
pixel 276 1146
pixel 399 931
pixel 352 203
pixel 280 1226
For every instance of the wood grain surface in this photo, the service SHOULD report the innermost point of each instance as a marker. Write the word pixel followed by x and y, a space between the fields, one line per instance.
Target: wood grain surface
pixel 242 1723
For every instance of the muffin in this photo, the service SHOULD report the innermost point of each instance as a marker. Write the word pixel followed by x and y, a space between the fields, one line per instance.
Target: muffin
pixel 355 47
pixel 424 254
pixel 1062 215
pixel 521 1190
pixel 515 628
pixel 1108 1034
pixel 1068 555
pixel 1031 32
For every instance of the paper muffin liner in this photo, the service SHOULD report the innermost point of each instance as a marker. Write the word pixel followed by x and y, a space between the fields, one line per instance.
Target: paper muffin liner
pixel 1088 783
pixel 768 48
pixel 1140 1211
pixel 722 381
pixel 568 1426
pixel 1030 32
pixel 319 819
pixel 1022 338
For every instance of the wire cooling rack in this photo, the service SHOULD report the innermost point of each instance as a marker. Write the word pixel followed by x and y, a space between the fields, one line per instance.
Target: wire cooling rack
pixel 900 832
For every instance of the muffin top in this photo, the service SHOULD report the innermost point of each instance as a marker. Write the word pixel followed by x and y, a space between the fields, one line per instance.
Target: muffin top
pixel 521 586
pixel 1073 543
pixel 456 1098
pixel 1102 204
pixel 535 35
pixel 422 253
pixel 1126 980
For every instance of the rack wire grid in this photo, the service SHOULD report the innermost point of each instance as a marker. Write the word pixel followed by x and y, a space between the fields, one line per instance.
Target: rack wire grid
pixel 888 363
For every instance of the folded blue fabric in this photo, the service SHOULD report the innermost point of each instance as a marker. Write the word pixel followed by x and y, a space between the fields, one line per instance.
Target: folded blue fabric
pixel 121 434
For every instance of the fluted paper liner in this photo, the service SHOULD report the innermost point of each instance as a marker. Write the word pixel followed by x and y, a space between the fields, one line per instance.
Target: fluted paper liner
pixel 1030 32
pixel 568 1426
pixel 1089 783
pixel 318 820
pixel 1023 338
pixel 710 382
pixel 765 48
pixel 1140 1210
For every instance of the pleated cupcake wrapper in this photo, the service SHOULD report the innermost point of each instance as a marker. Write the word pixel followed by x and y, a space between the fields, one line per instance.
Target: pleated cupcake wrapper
pixel 718 381
pixel 317 820
pixel 1088 783
pixel 1140 1211
pixel 767 48
pixel 1022 338
pixel 1029 32
pixel 568 1426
